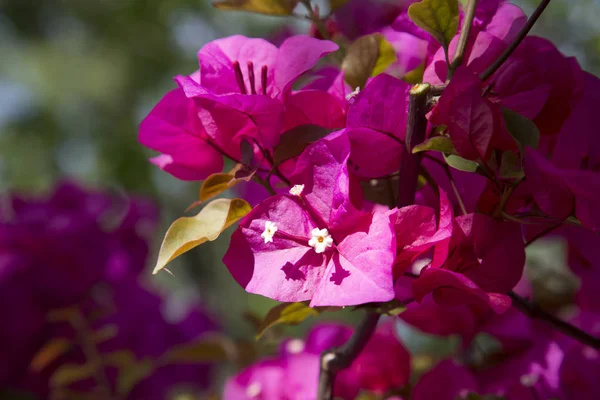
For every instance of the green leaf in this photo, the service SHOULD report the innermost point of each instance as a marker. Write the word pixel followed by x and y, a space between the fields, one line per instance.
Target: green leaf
pixel 216 184
pixel 129 377
pixel 289 314
pixel 293 142
pixel 267 7
pixel 522 129
pixel 49 352
pixel 415 76
pixel 438 17
pixel 202 350
pixel 386 57
pixel 121 359
pixel 188 232
pixel 438 143
pixel 105 333
pixel 337 4
pixel 461 164
pixel 67 374
pixel 367 56
pixel 511 166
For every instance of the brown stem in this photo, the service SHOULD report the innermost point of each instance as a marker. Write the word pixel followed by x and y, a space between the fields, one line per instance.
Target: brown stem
pixel 533 311
pixel 333 361
pixel 510 49
pixel 463 38
pixel 319 24
pixel 416 128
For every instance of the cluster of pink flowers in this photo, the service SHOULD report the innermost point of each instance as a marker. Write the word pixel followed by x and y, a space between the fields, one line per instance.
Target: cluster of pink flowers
pixel 519 161
pixel 70 266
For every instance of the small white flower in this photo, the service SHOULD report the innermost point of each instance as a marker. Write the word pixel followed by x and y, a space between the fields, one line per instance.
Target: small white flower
pixel 352 95
pixel 529 380
pixel 269 232
pixel 295 346
pixel 321 240
pixel 253 390
pixel 296 190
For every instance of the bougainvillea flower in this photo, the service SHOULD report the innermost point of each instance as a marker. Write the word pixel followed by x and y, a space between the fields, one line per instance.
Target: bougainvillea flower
pixel 173 128
pixel 376 125
pixel 486 260
pixel 474 123
pixel 418 229
pixel 244 84
pixel 384 364
pixel 446 381
pixel 563 192
pixel 324 249
pixel 536 81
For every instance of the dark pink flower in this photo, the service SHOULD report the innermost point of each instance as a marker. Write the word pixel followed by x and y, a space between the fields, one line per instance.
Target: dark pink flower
pixel 376 125
pixel 173 128
pixel 314 244
pixel 485 260
pixel 244 86
pixel 446 381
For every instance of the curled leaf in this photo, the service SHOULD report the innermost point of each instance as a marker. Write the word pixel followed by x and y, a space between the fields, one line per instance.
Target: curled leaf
pixel 438 17
pixel 438 143
pixel 367 56
pixel 267 7
pixel 188 232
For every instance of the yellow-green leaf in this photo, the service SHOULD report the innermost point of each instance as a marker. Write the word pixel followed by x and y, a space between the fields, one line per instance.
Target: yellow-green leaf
pixel 511 166
pixel 438 17
pixel 121 359
pixel 218 183
pixel 67 374
pixel 289 314
pixel 203 350
pixel 105 333
pixel 268 7
pixel 438 143
pixel 461 164
pixel 386 57
pixel 336 4
pixel 367 56
pixel 188 232
pixel 49 352
pixel 129 377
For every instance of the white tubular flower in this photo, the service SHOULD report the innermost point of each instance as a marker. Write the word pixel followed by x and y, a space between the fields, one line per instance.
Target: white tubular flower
pixel 269 232
pixel 353 94
pixel 296 190
pixel 254 390
pixel 321 240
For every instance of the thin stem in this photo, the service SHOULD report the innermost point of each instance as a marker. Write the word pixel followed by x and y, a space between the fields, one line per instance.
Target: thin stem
pixel 334 361
pixel 448 172
pixel 536 312
pixel 463 38
pixel 520 36
pixel 319 24
pixel 265 184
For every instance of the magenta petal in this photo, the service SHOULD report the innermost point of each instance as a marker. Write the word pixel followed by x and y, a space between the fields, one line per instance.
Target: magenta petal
pixel 266 376
pixel 374 154
pixel 453 288
pixel 297 55
pixel 547 185
pixel 217 57
pixel 322 169
pixel 287 269
pixel 361 269
pixel 173 128
pixel 507 22
pixel 314 107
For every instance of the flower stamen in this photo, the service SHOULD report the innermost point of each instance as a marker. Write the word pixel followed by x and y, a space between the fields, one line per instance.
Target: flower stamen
pixel 239 77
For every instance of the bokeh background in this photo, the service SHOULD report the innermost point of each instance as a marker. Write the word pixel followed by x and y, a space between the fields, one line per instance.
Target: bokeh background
pixel 77 77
